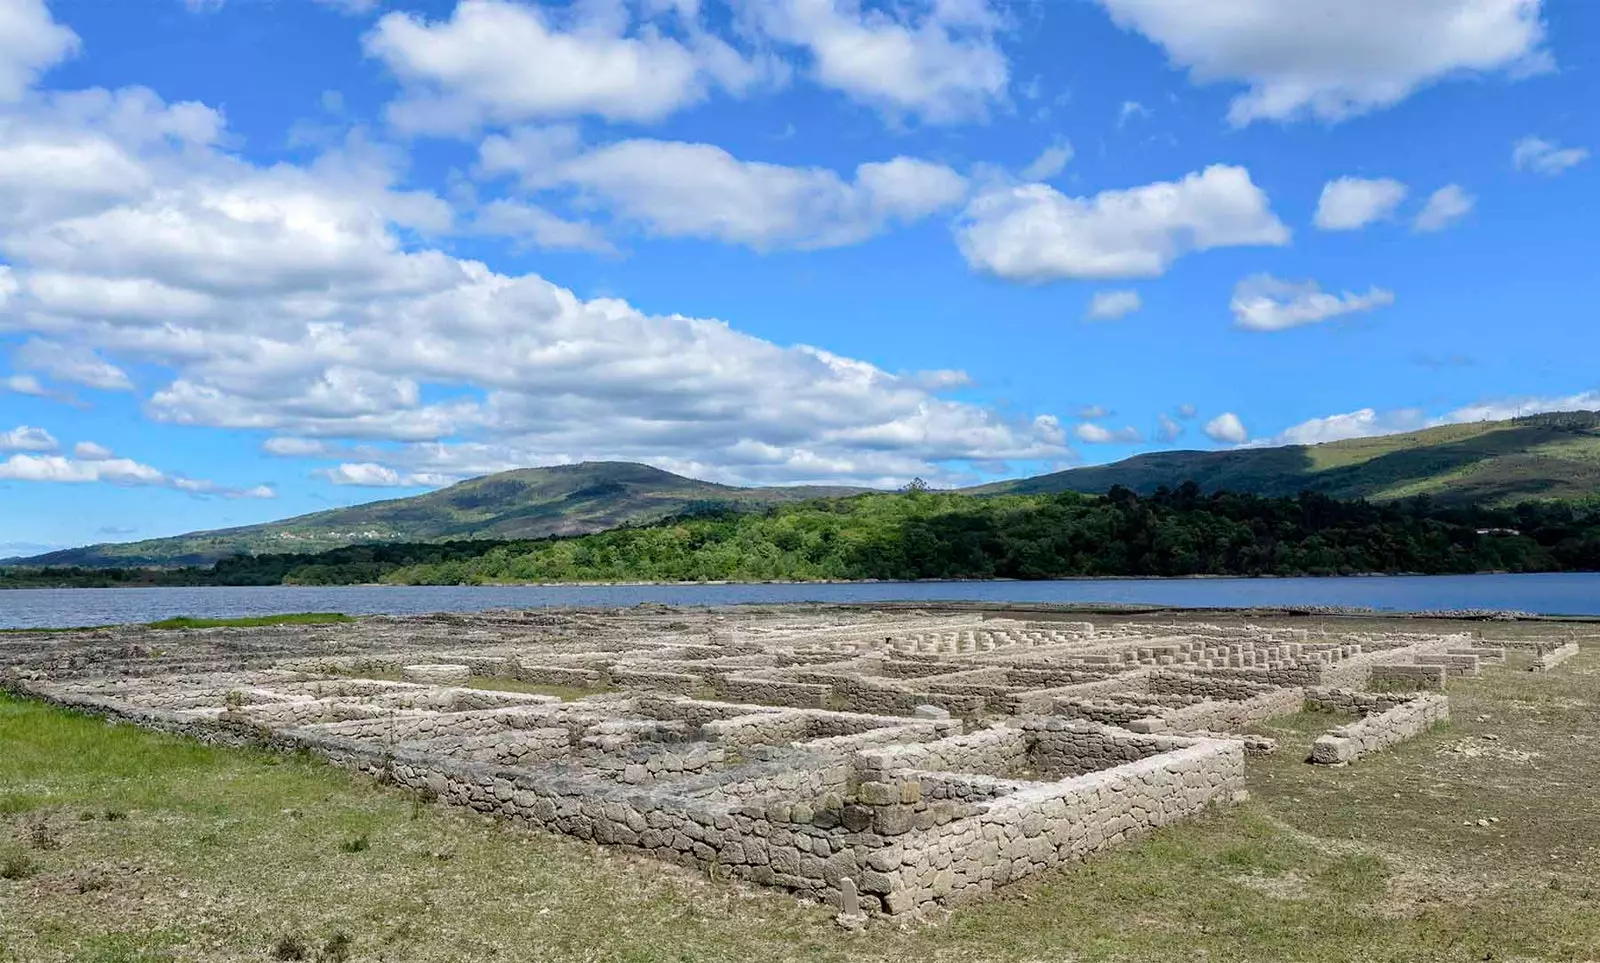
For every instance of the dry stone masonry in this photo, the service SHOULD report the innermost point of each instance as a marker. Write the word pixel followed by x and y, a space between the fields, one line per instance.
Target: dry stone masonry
pixel 883 763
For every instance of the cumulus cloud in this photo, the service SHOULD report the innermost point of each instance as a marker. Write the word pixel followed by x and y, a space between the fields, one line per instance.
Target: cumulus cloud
pixel 676 189
pixel 71 363
pixel 1371 422
pixel 938 62
pixel 373 475
pixel 1265 303
pixel 115 471
pixel 1226 428
pixel 1097 435
pixel 31 42
pixel 532 226
pixel 25 384
pixel 297 301
pixel 1112 305
pixel 1333 59
pixel 1094 412
pixel 1034 233
pixel 1502 408
pixel 1445 206
pixel 286 447
pixel 91 451
pixel 26 438
pixel 1187 411
pixel 1168 429
pixel 1050 162
pixel 499 62
pixel 1364 423
pixel 1544 157
pixel 1351 203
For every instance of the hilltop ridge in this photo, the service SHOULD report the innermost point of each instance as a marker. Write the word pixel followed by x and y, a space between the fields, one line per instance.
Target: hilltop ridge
pixel 1491 464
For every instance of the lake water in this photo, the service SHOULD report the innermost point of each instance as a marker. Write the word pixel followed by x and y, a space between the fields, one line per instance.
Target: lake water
pixel 1560 594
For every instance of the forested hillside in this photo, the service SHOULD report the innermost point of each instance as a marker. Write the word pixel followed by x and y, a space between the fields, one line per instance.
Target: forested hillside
pixel 920 535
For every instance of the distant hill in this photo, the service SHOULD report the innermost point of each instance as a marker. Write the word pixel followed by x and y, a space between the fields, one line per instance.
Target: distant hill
pixel 1492 463
pixel 1498 463
pixel 527 503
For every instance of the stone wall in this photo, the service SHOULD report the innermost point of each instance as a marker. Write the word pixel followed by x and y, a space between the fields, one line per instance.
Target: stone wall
pixel 1388 722
pixel 1548 659
pixel 1403 677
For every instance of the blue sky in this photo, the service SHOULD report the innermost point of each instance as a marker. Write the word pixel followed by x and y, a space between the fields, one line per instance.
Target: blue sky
pixel 263 257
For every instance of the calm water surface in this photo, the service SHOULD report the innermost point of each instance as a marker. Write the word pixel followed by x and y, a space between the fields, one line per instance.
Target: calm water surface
pixel 1562 594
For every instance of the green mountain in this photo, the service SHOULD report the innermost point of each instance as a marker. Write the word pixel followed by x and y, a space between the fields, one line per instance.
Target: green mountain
pixel 1491 463
pixel 1552 456
pixel 527 503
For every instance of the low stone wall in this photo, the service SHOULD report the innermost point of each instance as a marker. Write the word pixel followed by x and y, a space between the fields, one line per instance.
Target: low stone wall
pixel 1045 826
pixel 1389 722
pixel 1224 714
pixel 557 675
pixel 774 692
pixel 436 674
pixel 675 682
pixel 1407 677
pixel 1550 658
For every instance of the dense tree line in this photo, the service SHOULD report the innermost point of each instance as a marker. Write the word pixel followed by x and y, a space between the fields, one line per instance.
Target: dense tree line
pixel 922 534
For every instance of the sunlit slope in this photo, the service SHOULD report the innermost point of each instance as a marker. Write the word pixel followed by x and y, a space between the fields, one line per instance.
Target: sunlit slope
pixel 1553 456
pixel 528 503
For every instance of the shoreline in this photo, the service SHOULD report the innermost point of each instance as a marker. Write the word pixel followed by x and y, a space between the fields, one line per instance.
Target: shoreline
pixel 647 583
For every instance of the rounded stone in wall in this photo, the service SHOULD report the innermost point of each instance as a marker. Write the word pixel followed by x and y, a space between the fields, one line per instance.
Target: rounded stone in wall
pixel 441 674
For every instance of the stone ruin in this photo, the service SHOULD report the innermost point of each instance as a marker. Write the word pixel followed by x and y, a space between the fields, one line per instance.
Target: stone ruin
pixel 880 763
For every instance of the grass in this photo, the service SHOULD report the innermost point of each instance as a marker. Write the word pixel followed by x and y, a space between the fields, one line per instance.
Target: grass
pixel 224 851
pixel 250 621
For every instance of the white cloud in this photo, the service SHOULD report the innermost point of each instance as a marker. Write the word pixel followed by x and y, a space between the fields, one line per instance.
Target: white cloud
pixel 534 226
pixel 26 438
pixel 1543 157
pixel 677 189
pixel 1034 233
pixel 1112 305
pixel 1226 428
pixel 1094 412
pixel 1503 408
pixel 352 7
pixel 1187 411
pixel 299 301
pixel 366 475
pixel 1351 203
pixel 71 363
pixel 286 447
pixel 1168 429
pixel 115 471
pixel 1050 162
pixel 1333 59
pixel 939 62
pixel 1265 303
pixel 1097 435
pixel 90 451
pixel 1370 422
pixel 31 42
pixel 1130 110
pixel 25 384
pixel 1445 206
pixel 500 62
pixel 1364 423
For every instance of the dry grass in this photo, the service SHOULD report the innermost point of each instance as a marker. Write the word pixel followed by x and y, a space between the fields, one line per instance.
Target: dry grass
pixel 220 854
